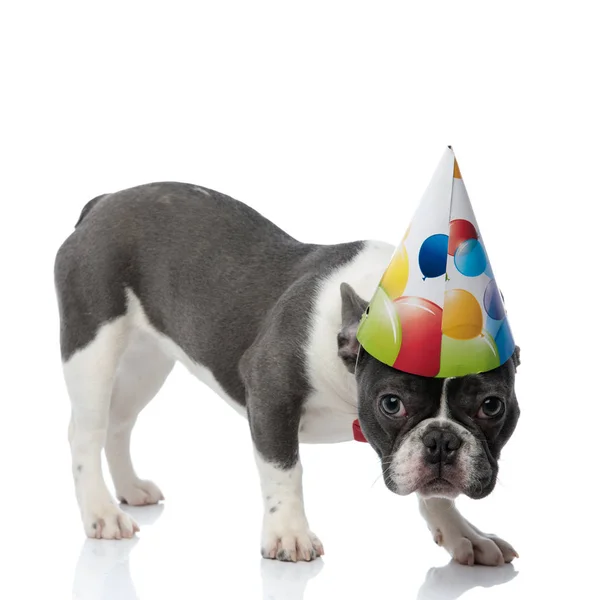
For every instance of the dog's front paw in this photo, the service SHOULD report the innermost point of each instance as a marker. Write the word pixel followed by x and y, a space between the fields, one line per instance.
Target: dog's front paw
pixel 289 539
pixel 292 546
pixel 470 547
pixel 139 493
pixel 108 522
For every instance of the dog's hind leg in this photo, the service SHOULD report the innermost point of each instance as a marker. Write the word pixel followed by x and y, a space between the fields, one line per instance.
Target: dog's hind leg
pixel 142 371
pixel 90 374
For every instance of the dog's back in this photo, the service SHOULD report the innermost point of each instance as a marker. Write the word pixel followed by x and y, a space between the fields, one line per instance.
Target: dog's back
pixel 171 243
pixel 206 268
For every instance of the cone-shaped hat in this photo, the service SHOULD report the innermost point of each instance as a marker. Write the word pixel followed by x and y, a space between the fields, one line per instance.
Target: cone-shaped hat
pixel 437 311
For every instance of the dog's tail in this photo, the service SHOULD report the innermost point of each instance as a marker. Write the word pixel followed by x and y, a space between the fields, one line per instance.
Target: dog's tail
pixel 88 207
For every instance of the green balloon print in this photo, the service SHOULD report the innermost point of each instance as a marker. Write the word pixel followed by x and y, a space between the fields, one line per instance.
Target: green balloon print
pixel 379 331
pixel 464 357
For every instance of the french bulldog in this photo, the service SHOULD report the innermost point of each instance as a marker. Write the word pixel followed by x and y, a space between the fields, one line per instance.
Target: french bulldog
pixel 168 272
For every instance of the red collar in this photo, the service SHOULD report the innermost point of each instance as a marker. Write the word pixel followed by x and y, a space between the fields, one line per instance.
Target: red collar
pixel 357 431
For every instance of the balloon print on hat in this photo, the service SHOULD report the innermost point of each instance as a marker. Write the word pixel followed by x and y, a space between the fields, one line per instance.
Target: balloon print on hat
pixel 505 342
pixel 396 275
pixel 488 270
pixel 492 326
pixel 382 329
pixel 463 357
pixel 470 258
pixel 433 255
pixel 492 301
pixel 469 254
pixel 421 322
pixel 461 230
pixel 463 319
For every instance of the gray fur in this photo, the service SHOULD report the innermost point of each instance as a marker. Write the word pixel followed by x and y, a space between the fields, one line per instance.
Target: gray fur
pixel 223 282
pixel 352 305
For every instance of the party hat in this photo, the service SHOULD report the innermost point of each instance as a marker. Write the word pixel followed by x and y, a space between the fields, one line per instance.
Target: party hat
pixel 437 311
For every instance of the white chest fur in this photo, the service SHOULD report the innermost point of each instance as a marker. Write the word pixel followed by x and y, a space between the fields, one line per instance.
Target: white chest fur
pixel 332 407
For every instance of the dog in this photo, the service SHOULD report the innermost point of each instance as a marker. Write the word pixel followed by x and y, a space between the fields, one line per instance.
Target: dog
pixel 168 272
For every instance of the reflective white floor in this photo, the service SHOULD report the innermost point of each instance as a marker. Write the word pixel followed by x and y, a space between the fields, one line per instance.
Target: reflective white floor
pixel 204 540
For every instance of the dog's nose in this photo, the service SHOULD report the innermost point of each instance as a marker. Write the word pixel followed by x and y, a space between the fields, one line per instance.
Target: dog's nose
pixel 441 446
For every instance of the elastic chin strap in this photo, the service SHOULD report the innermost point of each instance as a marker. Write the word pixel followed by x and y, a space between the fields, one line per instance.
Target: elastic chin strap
pixel 357 357
pixel 356 429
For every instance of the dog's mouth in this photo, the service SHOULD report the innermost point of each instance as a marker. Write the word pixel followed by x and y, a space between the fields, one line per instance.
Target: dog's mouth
pixel 438 487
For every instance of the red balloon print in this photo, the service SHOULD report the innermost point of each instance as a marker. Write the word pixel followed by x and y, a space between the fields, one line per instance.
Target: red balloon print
pixel 421 348
pixel 460 231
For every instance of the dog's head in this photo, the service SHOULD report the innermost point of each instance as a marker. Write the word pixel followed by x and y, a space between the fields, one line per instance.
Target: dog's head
pixel 438 437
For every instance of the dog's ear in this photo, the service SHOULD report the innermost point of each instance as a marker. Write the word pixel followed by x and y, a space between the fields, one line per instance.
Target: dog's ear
pixel 516 357
pixel 353 307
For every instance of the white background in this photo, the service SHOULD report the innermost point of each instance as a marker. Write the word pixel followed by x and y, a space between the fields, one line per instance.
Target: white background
pixel 329 118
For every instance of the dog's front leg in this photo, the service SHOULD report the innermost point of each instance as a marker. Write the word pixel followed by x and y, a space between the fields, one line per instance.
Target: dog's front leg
pixel 286 535
pixel 465 543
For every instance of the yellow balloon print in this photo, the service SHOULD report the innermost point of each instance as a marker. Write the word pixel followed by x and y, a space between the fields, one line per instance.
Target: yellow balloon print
pixel 462 318
pixel 396 276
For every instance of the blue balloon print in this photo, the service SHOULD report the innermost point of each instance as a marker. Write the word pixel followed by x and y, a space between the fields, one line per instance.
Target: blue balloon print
pixel 492 326
pixel 470 258
pixel 492 301
pixel 505 342
pixel 433 255
pixel 488 269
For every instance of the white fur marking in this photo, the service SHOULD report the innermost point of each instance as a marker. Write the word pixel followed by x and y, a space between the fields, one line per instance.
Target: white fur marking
pixel 332 407
pixel 465 543
pixel 89 375
pixel 407 466
pixel 109 382
pixel 444 413
pixel 142 371
pixel 286 534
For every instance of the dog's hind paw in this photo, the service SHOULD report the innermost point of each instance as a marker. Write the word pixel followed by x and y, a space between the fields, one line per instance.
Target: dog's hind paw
pixel 291 545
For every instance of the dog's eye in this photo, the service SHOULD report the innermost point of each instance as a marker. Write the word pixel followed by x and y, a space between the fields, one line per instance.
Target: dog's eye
pixel 392 405
pixel 491 407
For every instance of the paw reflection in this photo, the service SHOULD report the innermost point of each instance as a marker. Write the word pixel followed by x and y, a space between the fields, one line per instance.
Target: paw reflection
pixel 453 580
pixel 287 581
pixel 102 571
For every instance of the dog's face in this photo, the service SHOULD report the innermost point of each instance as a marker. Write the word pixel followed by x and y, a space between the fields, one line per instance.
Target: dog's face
pixel 438 437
